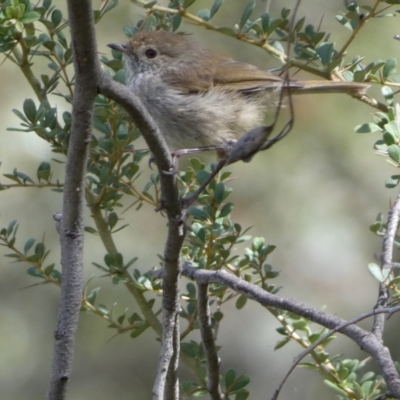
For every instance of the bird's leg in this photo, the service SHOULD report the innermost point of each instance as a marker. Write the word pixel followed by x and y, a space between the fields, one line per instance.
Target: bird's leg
pixel 182 152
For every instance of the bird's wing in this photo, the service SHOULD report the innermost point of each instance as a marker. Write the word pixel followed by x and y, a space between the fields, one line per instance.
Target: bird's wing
pixel 225 74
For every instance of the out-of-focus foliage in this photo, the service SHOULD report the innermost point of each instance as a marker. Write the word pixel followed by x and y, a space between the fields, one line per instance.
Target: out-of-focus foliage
pixel 33 31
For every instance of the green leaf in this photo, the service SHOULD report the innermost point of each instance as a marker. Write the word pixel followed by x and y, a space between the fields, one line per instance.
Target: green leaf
pixel 47 4
pixel 56 17
pixel 191 289
pixel 258 243
pixel 48 271
pixel 394 153
pixel 145 282
pixel 377 272
pixel 218 315
pixel 63 40
pixel 204 14
pixel 28 244
pixel 198 213
pixel 388 94
pixel 11 226
pixel 243 381
pixel 225 210
pixel 215 7
pixel 138 331
pixel 112 220
pixel 188 3
pixel 241 301
pixel 389 139
pixel 89 229
pixel 242 395
pixel 392 182
pixel 20 115
pixel 150 4
pixel 58 50
pixel 325 53
pixel 120 76
pixel 103 309
pixel 389 67
pixel 30 17
pixel 30 110
pixel 367 128
pixel 230 376
pixel 265 21
pixel 299 24
pixel 274 24
pixel 25 178
pixel 281 343
pixel 110 6
pixel 336 388
pixel 349 24
pixel 393 128
pixel 246 14
pixel 176 22
pixel 33 271
pixel 43 171
pixel 219 193
pixel 91 297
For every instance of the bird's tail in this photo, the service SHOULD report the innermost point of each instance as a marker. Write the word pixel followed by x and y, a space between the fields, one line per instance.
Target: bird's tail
pixel 305 87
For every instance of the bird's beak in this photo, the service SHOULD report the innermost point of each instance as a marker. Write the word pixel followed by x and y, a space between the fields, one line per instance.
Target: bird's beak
pixel 119 47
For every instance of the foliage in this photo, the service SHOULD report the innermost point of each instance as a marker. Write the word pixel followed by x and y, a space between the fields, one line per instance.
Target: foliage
pixel 29 32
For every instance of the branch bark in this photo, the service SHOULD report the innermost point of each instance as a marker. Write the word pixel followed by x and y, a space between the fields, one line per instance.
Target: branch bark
pixel 89 79
pixel 207 337
pixel 166 380
pixel 71 233
pixel 387 256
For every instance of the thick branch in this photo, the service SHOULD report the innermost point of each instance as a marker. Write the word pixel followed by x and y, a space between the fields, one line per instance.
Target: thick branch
pixel 168 362
pixel 87 72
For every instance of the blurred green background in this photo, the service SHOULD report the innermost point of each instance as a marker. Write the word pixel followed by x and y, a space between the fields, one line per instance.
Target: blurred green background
pixel 313 195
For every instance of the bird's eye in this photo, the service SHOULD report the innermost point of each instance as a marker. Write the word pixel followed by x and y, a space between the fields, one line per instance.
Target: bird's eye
pixel 151 53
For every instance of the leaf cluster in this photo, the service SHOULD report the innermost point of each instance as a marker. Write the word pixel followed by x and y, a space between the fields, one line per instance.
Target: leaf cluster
pixel 214 241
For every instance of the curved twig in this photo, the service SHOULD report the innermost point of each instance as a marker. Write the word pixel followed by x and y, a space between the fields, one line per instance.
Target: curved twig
pixel 366 340
pixel 315 344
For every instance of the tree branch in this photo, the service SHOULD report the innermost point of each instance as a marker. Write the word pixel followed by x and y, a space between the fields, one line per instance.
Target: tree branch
pixel 366 340
pixel 322 339
pixel 387 255
pixel 207 337
pixel 169 355
pixel 111 248
pixel 87 72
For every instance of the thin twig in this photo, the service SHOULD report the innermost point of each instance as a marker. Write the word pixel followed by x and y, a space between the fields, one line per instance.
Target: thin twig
pixel 322 339
pixel 366 340
pixel 111 248
pixel 357 30
pixel 387 254
pixel 207 337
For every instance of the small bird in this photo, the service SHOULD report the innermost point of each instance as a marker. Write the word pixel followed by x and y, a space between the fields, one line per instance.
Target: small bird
pixel 201 98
